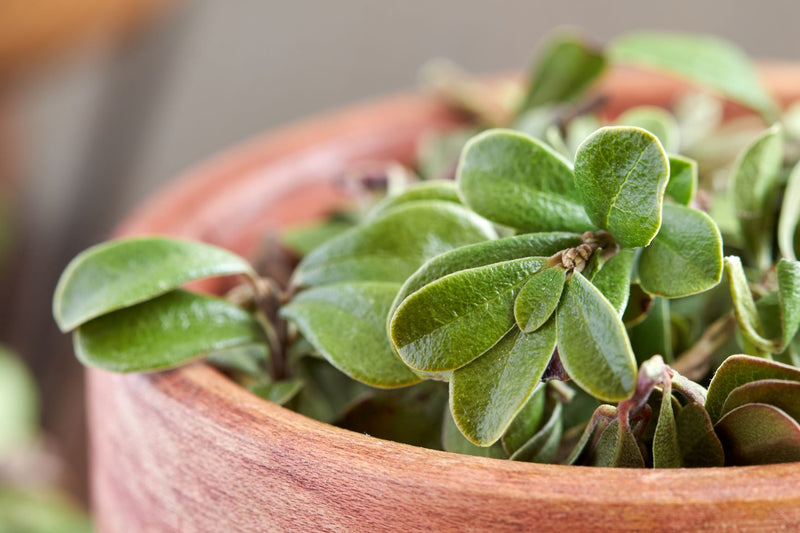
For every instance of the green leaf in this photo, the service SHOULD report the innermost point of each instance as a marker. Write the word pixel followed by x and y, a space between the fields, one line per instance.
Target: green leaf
pixel 279 392
pixel 543 446
pixel 453 320
pixel 40 510
pixel 443 190
pixel 789 299
pixel 486 253
pixel 455 442
pixel 780 393
pixel 578 129
pixel 592 342
pixel 653 335
pixel 118 274
pixel 563 71
pixel 657 121
pixel 438 152
pixel 346 323
pixel 517 181
pixel 709 61
pixel 744 306
pixel 754 183
pixel 790 215
pixel 251 360
pixel 699 445
pixel 666 449
pixel 621 173
pixel 527 422
pixel 538 298
pixel 163 333
pixel 303 239
pixel 392 247
pixel 757 433
pixel 618 448
pixel 682 183
pixel 738 370
pixel 327 393
pixel 639 305
pixel 685 257
pixel 614 279
pixel 487 394
pixel 19 404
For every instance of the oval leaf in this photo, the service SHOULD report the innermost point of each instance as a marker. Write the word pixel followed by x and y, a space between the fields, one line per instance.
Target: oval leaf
pixel 757 434
pixel 453 320
pixel 685 257
pixel 443 190
pixel 789 300
pixel 527 422
pixel 738 370
pixel 346 323
pixel 517 181
pixel 621 173
pixel 790 215
pixel 162 333
pixel 657 121
pixel 682 184
pixel 392 247
pixel 487 394
pixel 699 445
pixel 118 274
pixel 455 442
pixel 744 307
pixel 614 279
pixel 538 298
pixel 780 393
pixel 592 342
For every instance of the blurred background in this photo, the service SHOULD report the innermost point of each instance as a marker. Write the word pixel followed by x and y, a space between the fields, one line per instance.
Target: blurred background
pixel 103 101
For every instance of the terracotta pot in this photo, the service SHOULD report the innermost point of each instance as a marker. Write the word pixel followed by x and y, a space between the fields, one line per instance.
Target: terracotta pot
pixel 189 450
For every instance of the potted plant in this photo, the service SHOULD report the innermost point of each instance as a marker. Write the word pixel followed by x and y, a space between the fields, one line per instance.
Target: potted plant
pixel 551 286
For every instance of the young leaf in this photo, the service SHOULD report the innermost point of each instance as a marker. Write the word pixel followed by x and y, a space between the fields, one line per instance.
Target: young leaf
pixel 565 68
pixel 621 173
pixel 527 422
pixel 790 215
pixel 757 433
pixel 455 442
pixel 780 393
pixel 699 445
pixel 346 323
pixel 744 306
pixel 657 121
pixel 666 450
pixel 685 257
pixel 163 333
pixel 392 247
pixel 682 183
pixel 592 342
pixel 538 298
pixel 754 182
pixel 443 190
pixel 453 320
pixel 132 271
pixel 618 448
pixel 706 60
pixel 738 370
pixel 487 394
pixel 486 253
pixel 614 279
pixel 517 181
pixel 543 446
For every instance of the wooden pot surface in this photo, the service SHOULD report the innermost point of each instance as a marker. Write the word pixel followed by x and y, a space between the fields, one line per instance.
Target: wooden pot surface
pixel 189 450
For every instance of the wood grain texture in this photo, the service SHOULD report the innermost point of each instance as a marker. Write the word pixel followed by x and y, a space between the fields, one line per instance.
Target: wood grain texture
pixel 189 450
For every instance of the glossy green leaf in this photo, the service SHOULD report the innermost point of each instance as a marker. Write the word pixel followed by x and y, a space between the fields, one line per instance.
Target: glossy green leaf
pixel 279 392
pixel 455 442
pixel 790 215
pixel 563 71
pixel 543 446
pixel 738 370
pixel 453 320
pixel 744 306
pixel 621 173
pixel 682 183
pixel 592 342
pixel 392 247
pixel 443 190
pixel 657 121
pixel 538 298
pixel 789 300
pixel 666 449
pixel 164 332
pixel 707 60
pixel 118 274
pixel 754 182
pixel 614 279
pixel 699 445
pixel 757 433
pixel 346 323
pixel 527 422
pixel 517 181
pixel 780 393
pixel 19 404
pixel 486 253
pixel 487 394
pixel 685 257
